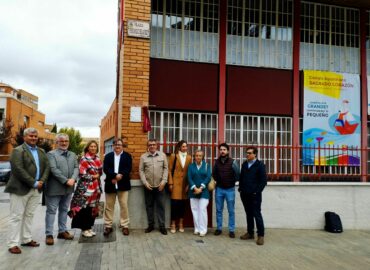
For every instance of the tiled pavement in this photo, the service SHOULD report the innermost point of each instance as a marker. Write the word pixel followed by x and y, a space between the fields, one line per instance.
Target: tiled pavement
pixel 283 249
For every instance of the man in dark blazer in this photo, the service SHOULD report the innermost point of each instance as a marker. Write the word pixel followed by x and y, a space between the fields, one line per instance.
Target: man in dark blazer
pixel 252 181
pixel 117 168
pixel 30 170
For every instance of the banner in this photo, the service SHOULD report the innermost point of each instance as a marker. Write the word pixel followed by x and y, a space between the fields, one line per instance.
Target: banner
pixel 368 96
pixel 331 119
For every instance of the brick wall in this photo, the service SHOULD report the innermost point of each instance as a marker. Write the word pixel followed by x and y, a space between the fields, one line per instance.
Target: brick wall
pixel 134 84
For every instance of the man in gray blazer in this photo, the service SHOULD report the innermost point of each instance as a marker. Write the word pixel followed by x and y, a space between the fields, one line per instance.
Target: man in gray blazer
pixel 30 169
pixel 59 188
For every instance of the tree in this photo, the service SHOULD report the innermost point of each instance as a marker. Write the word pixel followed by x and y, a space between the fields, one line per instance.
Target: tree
pixel 18 140
pixel 5 132
pixel 54 129
pixel 75 140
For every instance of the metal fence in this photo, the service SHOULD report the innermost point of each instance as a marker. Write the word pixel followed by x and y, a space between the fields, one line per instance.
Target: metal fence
pixel 330 163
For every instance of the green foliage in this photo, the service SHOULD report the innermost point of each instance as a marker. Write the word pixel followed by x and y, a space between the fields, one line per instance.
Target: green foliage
pixel 18 140
pixel 75 140
pixel 5 132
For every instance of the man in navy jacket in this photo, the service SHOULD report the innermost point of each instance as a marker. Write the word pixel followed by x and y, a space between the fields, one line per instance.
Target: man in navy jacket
pixel 117 167
pixel 253 180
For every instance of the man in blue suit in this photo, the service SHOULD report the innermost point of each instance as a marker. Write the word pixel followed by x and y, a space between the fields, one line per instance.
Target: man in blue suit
pixel 117 167
pixel 253 180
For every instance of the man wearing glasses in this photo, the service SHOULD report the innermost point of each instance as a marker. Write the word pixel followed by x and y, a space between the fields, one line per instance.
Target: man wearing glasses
pixel 153 171
pixel 59 188
pixel 117 168
pixel 253 180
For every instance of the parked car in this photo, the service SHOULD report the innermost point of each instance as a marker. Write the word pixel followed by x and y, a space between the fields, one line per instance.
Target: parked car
pixel 4 171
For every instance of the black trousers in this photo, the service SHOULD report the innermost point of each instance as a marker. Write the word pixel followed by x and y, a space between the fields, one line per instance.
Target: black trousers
pixel 252 206
pixel 177 209
pixel 155 199
pixel 84 219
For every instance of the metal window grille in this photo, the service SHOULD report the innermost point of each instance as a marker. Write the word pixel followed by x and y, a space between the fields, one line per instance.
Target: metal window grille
pixel 368 43
pixel 185 30
pixel 330 38
pixel 260 33
pixel 272 135
pixel 198 129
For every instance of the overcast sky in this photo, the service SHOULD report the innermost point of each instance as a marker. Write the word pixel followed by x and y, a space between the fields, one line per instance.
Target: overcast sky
pixel 65 53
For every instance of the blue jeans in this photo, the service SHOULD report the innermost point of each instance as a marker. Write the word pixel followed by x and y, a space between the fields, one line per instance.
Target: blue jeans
pixel 60 202
pixel 229 195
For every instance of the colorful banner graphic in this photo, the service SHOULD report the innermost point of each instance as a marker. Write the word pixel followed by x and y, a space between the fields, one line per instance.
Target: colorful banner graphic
pixel 368 96
pixel 331 120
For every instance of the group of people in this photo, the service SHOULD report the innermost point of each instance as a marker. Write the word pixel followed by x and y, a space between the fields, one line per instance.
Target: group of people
pixel 189 179
pixel 74 188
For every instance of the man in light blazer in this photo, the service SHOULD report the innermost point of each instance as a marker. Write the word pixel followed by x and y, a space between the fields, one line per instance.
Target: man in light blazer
pixel 117 168
pixel 30 170
pixel 59 188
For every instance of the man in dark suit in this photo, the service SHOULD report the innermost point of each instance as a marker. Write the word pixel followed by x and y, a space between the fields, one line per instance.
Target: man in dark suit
pixel 252 181
pixel 117 167
pixel 30 169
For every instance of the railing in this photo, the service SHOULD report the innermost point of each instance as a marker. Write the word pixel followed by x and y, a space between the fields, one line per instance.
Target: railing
pixel 329 164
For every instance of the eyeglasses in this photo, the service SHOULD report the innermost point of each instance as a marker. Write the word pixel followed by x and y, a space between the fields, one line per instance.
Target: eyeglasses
pixel 250 153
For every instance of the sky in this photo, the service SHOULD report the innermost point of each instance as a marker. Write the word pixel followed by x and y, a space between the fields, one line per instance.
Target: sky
pixel 64 52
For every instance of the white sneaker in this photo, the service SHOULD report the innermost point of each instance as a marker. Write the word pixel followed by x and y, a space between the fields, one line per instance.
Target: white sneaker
pixel 202 234
pixel 86 234
pixel 196 232
pixel 92 232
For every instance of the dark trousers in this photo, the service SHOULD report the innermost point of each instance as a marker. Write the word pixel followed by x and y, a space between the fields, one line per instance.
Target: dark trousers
pixel 177 209
pixel 84 219
pixel 155 198
pixel 252 206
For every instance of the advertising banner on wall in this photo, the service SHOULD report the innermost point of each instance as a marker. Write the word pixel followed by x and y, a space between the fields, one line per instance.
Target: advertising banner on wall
pixel 368 96
pixel 331 120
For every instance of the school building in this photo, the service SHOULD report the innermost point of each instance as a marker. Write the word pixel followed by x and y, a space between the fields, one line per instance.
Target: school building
pixel 288 76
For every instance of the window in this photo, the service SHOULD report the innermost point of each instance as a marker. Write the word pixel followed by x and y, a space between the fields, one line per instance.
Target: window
pixel 2 114
pixel 330 38
pixel 26 121
pixel 260 33
pixel 272 135
pixel 185 30
pixel 108 145
pixel 198 129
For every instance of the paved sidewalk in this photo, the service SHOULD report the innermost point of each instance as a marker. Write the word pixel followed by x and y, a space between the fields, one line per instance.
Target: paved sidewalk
pixel 283 249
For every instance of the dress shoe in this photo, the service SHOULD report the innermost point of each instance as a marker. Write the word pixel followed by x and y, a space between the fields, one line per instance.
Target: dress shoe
pixel 86 234
pixel 260 240
pixel 181 228
pixel 217 232
pixel 31 244
pixel 49 240
pixel 231 234
pixel 247 236
pixel 163 231
pixel 125 231
pixel 107 231
pixel 92 232
pixel 15 250
pixel 149 229
pixel 65 235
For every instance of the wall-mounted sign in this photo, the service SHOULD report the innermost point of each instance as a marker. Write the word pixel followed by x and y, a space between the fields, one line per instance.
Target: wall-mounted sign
pixel 138 29
pixel 135 114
